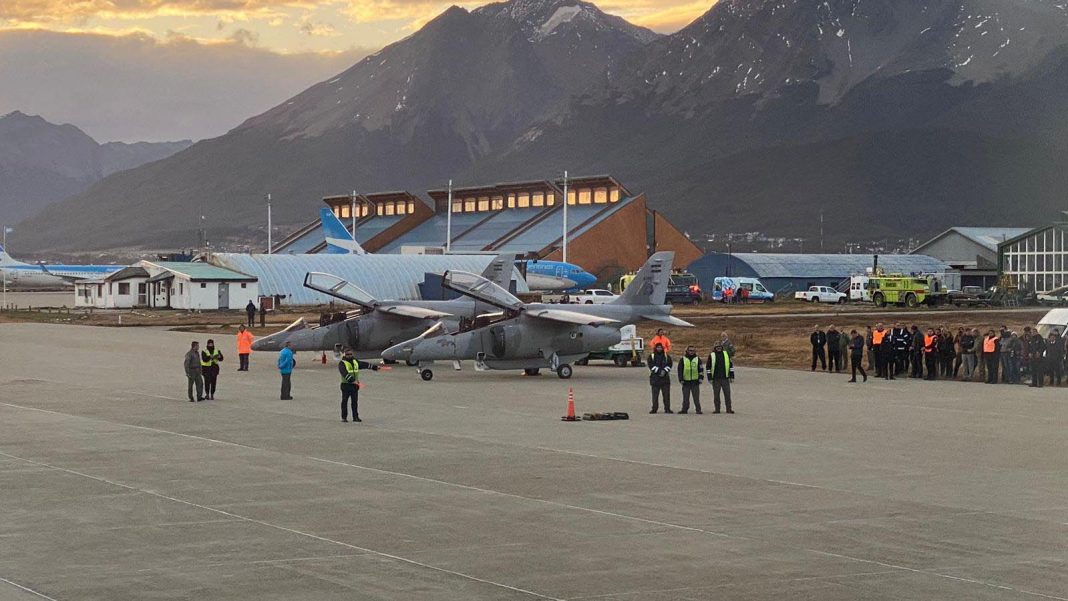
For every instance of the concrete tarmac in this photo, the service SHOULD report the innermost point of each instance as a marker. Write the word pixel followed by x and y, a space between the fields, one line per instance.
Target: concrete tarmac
pixel 470 487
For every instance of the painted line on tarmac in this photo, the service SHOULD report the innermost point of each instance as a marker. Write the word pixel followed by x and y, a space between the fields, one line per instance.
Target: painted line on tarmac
pixel 490 492
pixel 26 589
pixel 279 527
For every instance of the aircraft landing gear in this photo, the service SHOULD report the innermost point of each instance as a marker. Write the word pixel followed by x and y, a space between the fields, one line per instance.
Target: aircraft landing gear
pixel 564 371
pixel 426 374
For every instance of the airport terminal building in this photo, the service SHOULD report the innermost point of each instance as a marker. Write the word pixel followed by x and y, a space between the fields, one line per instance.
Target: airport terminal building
pixel 611 230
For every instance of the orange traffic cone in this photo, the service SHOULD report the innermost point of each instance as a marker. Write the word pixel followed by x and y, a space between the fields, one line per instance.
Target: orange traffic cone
pixel 324 357
pixel 570 417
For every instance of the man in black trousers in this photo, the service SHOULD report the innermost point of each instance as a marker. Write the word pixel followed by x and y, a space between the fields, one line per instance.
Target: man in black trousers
pixel 660 378
pixel 818 339
pixel 250 312
pixel 721 374
pixel 350 384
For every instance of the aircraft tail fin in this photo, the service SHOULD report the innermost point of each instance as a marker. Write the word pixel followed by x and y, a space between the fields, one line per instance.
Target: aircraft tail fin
pixel 6 259
pixel 650 285
pixel 500 270
pixel 339 240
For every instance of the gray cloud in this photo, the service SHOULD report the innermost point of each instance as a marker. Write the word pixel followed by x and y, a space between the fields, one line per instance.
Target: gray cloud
pixel 132 88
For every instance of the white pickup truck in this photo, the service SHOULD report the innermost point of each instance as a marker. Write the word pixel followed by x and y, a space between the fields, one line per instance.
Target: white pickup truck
pixel 821 294
pixel 593 296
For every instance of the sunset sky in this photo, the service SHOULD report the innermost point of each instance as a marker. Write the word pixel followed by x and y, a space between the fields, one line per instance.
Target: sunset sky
pixel 285 26
pixel 151 70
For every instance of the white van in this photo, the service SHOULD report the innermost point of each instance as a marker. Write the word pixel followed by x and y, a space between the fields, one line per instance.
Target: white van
pixel 757 290
pixel 1054 321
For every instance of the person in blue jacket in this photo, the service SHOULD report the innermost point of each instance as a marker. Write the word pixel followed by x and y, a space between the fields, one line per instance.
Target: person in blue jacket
pixel 286 363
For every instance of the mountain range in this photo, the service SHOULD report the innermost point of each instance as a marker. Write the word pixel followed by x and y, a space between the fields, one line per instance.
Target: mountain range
pixel 890 117
pixel 42 163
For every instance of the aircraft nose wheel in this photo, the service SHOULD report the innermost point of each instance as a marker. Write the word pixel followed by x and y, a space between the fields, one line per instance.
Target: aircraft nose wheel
pixel 564 372
pixel 426 374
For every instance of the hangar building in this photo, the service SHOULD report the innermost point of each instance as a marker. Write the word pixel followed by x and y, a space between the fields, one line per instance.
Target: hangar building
pixel 611 230
pixel 971 250
pixel 781 272
pixel 1037 259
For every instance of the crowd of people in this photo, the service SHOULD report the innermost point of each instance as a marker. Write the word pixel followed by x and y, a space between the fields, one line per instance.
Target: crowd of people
pixel 994 356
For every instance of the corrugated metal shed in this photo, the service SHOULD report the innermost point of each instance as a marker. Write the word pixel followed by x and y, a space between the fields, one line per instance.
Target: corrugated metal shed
pixel 388 277
pixel 778 271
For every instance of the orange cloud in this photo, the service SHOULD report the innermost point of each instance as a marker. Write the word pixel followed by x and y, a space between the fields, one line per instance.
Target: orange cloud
pixel 659 15
pixel 69 10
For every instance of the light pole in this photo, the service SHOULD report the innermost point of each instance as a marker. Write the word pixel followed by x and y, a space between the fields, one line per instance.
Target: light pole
pixel 6 230
pixel 353 199
pixel 270 240
pixel 565 218
pixel 448 222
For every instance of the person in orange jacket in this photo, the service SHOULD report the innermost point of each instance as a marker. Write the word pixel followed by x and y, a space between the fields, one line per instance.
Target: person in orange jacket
pixel 661 338
pixel 244 347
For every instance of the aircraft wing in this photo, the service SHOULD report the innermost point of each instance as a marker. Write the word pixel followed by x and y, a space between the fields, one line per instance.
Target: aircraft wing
pixel 70 279
pixel 479 288
pixel 331 285
pixel 669 319
pixel 413 312
pixel 571 317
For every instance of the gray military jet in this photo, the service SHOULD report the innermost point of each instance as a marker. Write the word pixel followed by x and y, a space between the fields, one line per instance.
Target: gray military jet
pixel 378 324
pixel 536 335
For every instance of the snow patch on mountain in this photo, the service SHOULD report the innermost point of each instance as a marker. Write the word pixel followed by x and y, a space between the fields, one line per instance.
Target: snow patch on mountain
pixel 564 14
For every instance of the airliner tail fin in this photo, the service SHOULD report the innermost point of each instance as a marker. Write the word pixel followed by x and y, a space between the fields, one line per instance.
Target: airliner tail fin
pixel 338 238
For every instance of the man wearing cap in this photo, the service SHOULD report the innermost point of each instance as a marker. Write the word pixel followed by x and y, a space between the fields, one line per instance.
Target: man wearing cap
pixel 350 368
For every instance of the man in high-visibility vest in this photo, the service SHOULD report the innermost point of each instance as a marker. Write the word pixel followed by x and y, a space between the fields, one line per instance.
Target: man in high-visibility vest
pixel 880 342
pixel 990 356
pixel 350 384
pixel 931 354
pixel 244 347
pixel 721 374
pixel 691 374
pixel 210 358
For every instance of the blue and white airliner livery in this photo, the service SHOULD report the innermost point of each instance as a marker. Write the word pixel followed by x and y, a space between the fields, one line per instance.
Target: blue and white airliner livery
pixel 540 275
pixel 558 276
pixel 18 273
pixel 338 239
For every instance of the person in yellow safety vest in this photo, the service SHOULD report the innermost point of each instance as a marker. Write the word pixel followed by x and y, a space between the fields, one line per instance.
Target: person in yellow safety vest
pixel 210 358
pixel 721 373
pixel 691 374
pixel 350 367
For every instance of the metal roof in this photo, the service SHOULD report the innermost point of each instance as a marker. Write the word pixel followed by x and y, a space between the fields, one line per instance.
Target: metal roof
pixel 987 237
pixel 387 277
pixel 781 265
pixel 127 273
pixel 198 272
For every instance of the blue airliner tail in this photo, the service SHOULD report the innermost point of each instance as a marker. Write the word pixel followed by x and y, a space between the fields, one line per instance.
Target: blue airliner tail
pixel 6 259
pixel 338 239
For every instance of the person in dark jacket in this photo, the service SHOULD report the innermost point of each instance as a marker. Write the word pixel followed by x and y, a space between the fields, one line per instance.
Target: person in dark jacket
pixel 901 339
pixel 1037 349
pixel 194 372
pixel 856 350
pixel 966 346
pixel 721 374
pixel 210 358
pixel 834 350
pixel 930 353
pixel 1054 358
pixel 691 373
pixel 660 378
pixel 916 348
pixel 884 354
pixel 350 368
pixel 945 352
pixel 250 312
pixel 818 339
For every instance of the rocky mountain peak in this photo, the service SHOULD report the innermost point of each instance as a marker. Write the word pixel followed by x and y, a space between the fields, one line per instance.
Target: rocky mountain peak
pixel 544 18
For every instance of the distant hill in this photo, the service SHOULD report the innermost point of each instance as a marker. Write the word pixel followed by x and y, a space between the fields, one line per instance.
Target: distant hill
pixel 42 163
pixel 894 117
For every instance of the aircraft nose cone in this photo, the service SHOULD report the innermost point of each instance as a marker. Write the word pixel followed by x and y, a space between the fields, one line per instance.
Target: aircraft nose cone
pixel 395 353
pixel 269 343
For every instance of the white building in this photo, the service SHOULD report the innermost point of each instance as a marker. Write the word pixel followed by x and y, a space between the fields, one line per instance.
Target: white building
pixel 198 286
pixel 167 285
pixel 124 289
